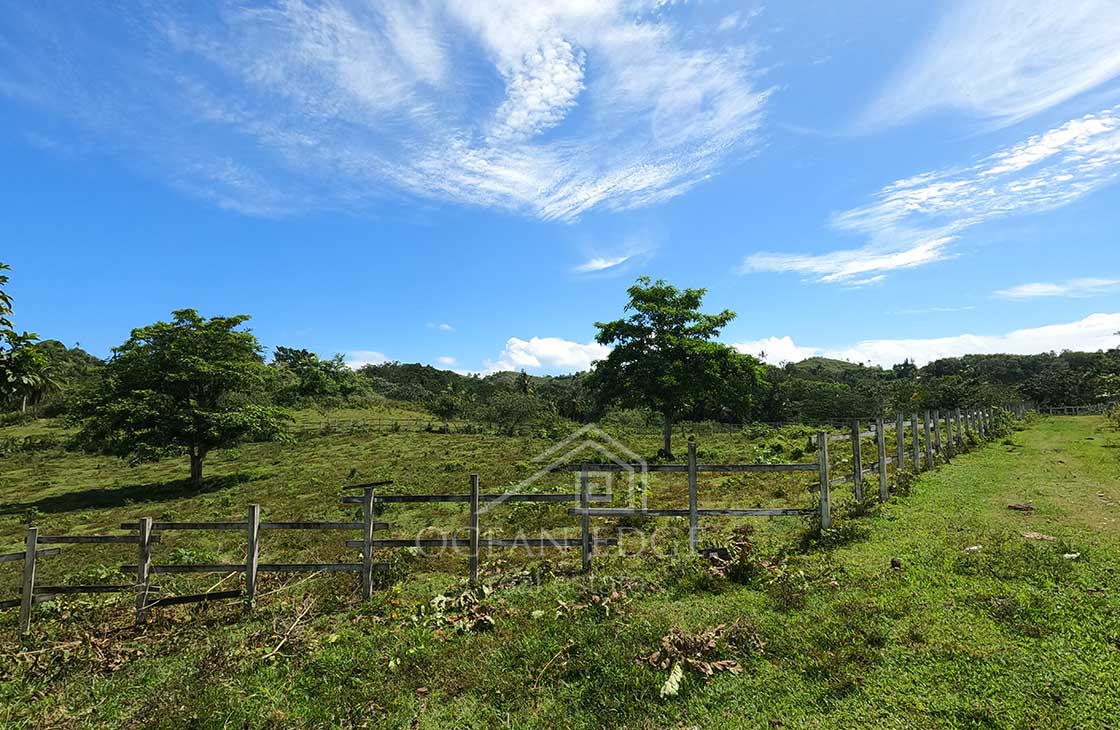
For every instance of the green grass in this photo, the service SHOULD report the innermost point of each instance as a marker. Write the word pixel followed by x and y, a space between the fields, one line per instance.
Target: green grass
pixel 1012 634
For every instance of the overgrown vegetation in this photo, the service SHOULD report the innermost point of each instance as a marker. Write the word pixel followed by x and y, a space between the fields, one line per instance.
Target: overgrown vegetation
pixel 990 616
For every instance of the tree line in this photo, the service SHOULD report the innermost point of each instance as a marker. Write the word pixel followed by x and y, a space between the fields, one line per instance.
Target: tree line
pixel 194 384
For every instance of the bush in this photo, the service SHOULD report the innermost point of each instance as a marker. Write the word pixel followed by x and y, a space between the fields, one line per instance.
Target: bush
pixel 688 573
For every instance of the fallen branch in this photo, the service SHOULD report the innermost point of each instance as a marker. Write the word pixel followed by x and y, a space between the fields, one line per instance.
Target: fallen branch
pixel 288 586
pixel 540 675
pixel 283 640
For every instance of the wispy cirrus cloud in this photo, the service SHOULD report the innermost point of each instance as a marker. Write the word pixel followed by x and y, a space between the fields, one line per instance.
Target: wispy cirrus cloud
pixel 1004 60
pixel 914 221
pixel 600 263
pixel 550 108
pixel 1071 288
pixel 441 326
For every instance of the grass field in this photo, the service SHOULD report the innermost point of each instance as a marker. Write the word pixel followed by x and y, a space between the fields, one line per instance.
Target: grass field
pixel 932 611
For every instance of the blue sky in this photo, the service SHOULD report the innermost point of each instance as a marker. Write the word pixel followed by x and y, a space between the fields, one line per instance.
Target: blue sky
pixel 472 185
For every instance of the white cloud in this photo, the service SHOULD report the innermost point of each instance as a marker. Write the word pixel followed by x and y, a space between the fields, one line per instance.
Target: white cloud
pixel 729 22
pixel 775 350
pixel 441 326
pixel 1004 60
pixel 914 221
pixel 355 359
pixel 550 354
pixel 549 108
pixel 1095 332
pixel 446 360
pixel 843 266
pixel 1071 288
pixel 601 263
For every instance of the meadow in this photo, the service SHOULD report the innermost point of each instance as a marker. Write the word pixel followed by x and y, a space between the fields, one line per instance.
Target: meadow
pixel 942 608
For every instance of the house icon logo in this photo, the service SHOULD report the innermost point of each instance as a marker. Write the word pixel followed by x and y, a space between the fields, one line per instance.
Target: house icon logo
pixel 613 467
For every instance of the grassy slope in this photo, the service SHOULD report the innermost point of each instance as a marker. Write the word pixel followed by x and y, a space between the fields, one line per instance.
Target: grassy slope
pixel 1011 635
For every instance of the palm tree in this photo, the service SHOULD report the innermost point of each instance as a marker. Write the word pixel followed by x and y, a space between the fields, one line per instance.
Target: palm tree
pixel 25 370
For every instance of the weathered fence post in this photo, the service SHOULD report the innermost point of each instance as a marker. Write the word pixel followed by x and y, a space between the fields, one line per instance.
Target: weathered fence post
pixel 474 530
pixel 143 566
pixel 822 471
pixel 693 488
pixel 960 430
pixel 585 519
pixel 900 439
pixel 937 433
pixel 915 446
pixel 881 443
pixel 251 553
pixel 367 542
pixel 928 441
pixel 857 461
pixel 27 593
pixel 950 450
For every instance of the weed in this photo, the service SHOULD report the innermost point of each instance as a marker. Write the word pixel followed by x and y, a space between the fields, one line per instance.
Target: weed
pixel 685 573
pixel 1009 556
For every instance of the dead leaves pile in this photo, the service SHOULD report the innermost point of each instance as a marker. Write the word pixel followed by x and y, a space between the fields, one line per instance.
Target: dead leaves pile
pixel 464 613
pixel 702 653
pixel 604 603
pixel 100 654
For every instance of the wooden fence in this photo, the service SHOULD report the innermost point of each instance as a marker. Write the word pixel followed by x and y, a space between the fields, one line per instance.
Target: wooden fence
pixel 940 436
pixel 1095 409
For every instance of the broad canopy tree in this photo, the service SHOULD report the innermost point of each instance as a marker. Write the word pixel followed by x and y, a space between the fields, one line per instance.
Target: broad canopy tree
pixel 304 376
pixel 665 357
pixel 179 387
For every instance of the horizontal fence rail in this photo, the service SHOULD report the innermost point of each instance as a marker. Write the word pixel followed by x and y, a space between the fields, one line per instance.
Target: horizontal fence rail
pixel 680 468
pixel 428 498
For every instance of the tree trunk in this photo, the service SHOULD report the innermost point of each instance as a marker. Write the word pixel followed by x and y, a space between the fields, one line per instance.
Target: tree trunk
pixel 196 469
pixel 667 432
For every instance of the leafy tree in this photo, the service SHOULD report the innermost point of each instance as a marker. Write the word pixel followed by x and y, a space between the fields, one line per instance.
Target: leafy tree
pixel 905 370
pixel 303 376
pixel 664 356
pixel 452 402
pixel 514 412
pixel 27 369
pixel 24 368
pixel 179 387
pixel 5 305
